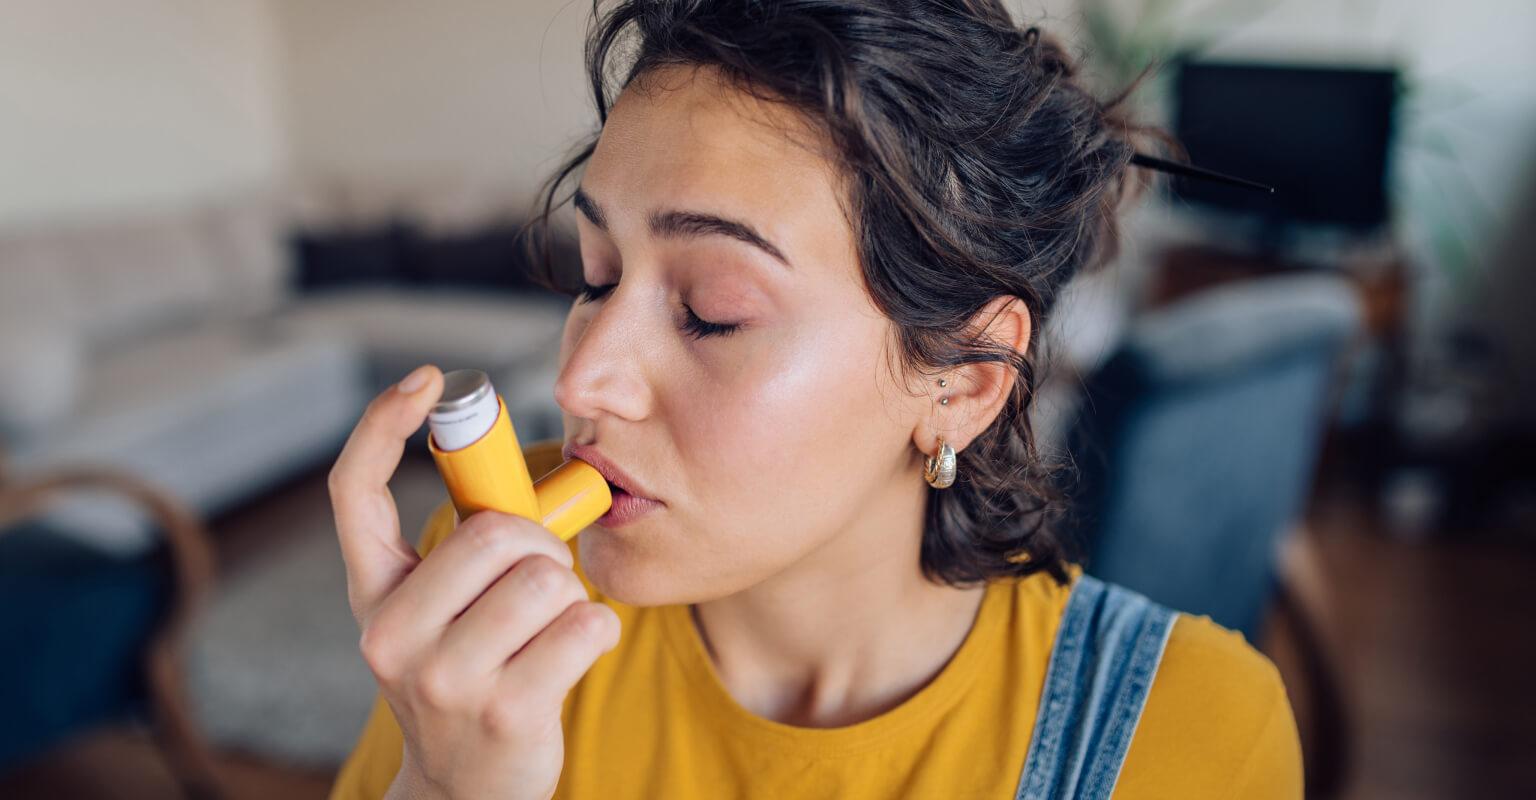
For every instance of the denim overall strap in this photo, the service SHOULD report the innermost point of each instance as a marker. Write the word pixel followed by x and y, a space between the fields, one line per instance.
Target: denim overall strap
pixel 1106 653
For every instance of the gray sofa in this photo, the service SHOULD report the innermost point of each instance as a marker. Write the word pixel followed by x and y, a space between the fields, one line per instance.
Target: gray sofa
pixel 168 343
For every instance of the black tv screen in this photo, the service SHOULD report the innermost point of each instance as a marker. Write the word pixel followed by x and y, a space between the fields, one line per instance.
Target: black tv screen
pixel 1319 135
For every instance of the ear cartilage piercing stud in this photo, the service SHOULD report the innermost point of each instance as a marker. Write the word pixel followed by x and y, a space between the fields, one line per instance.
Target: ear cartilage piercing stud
pixel 944 401
pixel 943 382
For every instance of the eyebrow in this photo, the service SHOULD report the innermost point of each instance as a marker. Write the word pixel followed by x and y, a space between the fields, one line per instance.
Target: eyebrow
pixel 678 224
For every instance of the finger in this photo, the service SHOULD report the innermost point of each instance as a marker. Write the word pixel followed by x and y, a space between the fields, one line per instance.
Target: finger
pixel 544 671
pixel 472 558
pixel 367 522
pixel 509 614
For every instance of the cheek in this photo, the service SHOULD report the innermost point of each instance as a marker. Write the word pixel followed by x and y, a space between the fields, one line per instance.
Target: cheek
pixel 776 448
pixel 576 320
pixel 771 450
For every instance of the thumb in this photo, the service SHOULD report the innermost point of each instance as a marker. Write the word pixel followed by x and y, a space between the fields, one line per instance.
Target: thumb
pixel 367 521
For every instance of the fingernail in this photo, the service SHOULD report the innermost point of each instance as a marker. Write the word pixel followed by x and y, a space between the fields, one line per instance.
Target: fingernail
pixel 413 381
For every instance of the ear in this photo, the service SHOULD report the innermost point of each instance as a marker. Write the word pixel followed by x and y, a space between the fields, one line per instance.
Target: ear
pixel 976 392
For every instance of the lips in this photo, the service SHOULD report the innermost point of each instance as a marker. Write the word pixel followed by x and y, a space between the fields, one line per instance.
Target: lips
pixel 611 472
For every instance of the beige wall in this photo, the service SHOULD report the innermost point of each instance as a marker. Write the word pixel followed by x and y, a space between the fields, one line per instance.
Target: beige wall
pixel 1465 128
pixel 489 91
pixel 106 105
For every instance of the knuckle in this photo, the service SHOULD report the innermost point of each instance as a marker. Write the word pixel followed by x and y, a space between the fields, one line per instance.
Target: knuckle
pixel 488 532
pixel 336 480
pixel 377 414
pixel 518 714
pixel 543 575
pixel 375 406
pixel 435 686
pixel 592 622
pixel 379 653
pixel 502 719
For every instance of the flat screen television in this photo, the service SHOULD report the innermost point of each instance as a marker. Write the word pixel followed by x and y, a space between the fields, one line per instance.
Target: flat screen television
pixel 1319 135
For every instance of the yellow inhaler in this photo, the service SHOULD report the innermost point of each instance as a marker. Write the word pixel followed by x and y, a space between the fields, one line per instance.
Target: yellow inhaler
pixel 477 453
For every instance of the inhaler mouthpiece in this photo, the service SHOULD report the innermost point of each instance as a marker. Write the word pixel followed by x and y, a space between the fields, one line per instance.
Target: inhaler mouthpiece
pixel 477 453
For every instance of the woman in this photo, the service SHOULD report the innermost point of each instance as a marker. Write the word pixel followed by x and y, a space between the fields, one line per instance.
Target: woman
pixel 819 240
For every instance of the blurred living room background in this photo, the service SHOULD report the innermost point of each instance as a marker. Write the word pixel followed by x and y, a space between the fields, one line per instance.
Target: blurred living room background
pixel 224 226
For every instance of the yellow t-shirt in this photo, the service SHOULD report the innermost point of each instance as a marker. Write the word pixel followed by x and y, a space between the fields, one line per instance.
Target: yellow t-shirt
pixel 652 720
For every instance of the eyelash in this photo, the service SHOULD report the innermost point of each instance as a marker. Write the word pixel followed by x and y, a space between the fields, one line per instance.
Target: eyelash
pixel 695 327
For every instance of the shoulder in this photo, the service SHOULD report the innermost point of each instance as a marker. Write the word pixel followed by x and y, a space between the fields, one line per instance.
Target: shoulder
pixel 1217 721
pixel 1218 673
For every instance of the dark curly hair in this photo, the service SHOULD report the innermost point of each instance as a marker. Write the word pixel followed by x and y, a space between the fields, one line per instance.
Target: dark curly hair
pixel 976 166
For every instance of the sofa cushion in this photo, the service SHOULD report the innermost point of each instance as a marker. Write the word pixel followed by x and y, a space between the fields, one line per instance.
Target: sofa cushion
pixel 250 254
pixel 404 328
pixel 40 367
pixel 213 414
pixel 114 277
pixel 324 259
pixel 133 275
pixel 491 257
pixel 34 293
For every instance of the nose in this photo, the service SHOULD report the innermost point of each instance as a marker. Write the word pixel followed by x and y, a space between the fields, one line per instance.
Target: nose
pixel 604 370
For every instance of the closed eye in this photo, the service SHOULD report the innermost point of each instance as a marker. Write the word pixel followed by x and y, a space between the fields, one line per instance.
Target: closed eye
pixel 692 325
pixel 698 328
pixel 589 292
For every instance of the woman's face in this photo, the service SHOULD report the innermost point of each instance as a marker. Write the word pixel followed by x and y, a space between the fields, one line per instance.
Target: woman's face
pixel 765 442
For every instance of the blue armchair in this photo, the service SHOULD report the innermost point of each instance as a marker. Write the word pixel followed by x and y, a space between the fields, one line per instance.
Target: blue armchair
pixel 1194 447
pixel 1196 441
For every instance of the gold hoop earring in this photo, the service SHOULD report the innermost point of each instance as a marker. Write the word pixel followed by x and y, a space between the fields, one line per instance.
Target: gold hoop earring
pixel 940 471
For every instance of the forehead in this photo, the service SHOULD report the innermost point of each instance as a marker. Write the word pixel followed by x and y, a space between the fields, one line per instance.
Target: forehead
pixel 681 138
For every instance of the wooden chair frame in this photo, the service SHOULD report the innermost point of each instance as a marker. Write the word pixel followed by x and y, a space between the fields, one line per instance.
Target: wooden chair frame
pixel 181 742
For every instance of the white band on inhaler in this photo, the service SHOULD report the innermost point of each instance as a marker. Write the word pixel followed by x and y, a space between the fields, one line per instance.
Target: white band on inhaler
pixel 466 411
pixel 478 455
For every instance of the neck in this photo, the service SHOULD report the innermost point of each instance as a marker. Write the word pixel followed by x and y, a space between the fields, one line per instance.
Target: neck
pixel 850 631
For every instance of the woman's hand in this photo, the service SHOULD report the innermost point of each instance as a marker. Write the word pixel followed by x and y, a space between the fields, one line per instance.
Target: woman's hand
pixel 475 646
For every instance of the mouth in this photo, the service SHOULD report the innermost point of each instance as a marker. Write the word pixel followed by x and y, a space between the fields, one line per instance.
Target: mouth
pixel 619 481
pixel 631 501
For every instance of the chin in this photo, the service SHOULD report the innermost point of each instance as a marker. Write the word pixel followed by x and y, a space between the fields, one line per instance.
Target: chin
pixel 630 575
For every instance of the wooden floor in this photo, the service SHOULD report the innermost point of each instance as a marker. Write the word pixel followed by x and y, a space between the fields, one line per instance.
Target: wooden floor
pixel 1437 653
pixel 121 764
pixel 1433 637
